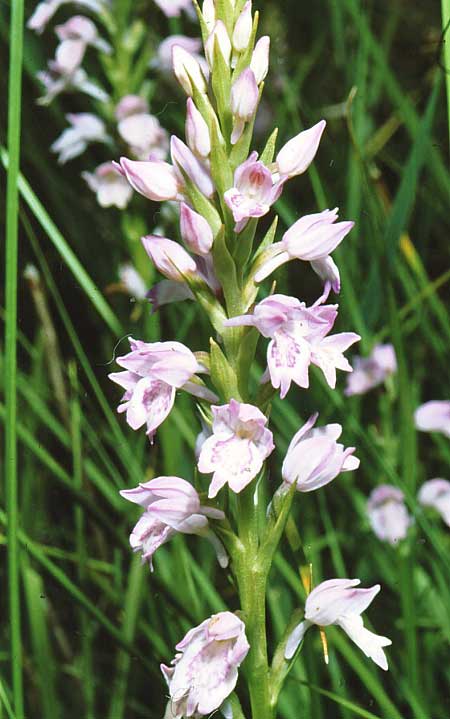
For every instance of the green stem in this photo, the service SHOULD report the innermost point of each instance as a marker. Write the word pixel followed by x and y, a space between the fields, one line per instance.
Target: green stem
pixel 11 478
pixel 446 52
pixel 252 581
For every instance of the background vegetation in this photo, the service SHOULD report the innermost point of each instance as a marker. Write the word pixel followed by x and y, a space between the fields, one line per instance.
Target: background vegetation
pixel 95 624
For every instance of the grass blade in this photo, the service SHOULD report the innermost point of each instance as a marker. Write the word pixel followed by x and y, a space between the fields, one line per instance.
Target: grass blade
pixel 12 229
pixel 68 255
pixel 446 52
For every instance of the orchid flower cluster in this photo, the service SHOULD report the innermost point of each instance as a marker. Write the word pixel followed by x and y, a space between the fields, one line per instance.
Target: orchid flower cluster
pixel 118 118
pixel 223 187
pixel 386 507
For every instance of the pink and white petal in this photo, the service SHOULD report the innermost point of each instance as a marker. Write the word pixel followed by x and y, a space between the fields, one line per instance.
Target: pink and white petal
pixel 127 380
pixel 139 495
pixel 369 643
pixel 270 265
pixel 295 639
pixel 160 402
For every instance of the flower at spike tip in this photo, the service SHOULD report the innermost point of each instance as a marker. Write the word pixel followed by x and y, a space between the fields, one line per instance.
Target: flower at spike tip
pixel 370 372
pixel 237 448
pixel 314 457
pixel 171 505
pixel 299 338
pixel 153 373
pixel 433 416
pixel 436 494
pixel 388 514
pixel 205 669
pixel 337 601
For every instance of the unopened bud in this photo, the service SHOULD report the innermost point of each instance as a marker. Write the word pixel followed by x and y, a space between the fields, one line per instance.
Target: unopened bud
pixel 243 28
pixel 195 231
pixel 170 259
pixel 220 35
pixel 260 58
pixel 187 71
pixel 197 133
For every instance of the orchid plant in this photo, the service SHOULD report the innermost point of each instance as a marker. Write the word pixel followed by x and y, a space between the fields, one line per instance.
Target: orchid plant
pixel 223 187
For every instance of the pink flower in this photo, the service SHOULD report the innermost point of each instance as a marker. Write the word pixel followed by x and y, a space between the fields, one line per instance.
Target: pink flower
pixel 312 238
pixel 74 140
pixel 387 513
pixel 173 8
pixel 205 669
pixel 197 132
pixel 295 156
pixel 369 372
pixel 171 505
pixel 154 370
pixel 111 188
pixel 336 601
pixel 157 181
pixel 244 101
pixel 82 28
pixel 237 448
pixel 254 191
pixel 434 416
pixel 130 105
pixel 436 494
pixel 184 159
pixel 298 339
pixel 145 136
pixel 314 457
pixel 169 258
pixel 195 231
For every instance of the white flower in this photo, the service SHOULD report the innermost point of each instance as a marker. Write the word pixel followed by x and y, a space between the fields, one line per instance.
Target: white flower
pixel 336 601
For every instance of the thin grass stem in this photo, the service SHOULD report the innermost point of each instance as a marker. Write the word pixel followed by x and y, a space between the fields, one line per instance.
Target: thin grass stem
pixel 12 228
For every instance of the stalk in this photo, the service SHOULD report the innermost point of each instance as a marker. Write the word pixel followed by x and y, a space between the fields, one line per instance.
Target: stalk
pixel 11 474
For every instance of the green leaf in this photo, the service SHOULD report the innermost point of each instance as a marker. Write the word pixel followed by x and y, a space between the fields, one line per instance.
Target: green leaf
pixel 221 85
pixel 269 149
pixel 201 204
pixel 245 58
pixel 225 269
pixel 222 374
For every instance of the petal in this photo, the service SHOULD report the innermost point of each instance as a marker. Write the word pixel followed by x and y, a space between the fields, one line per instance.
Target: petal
pixel 295 639
pixel 371 644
